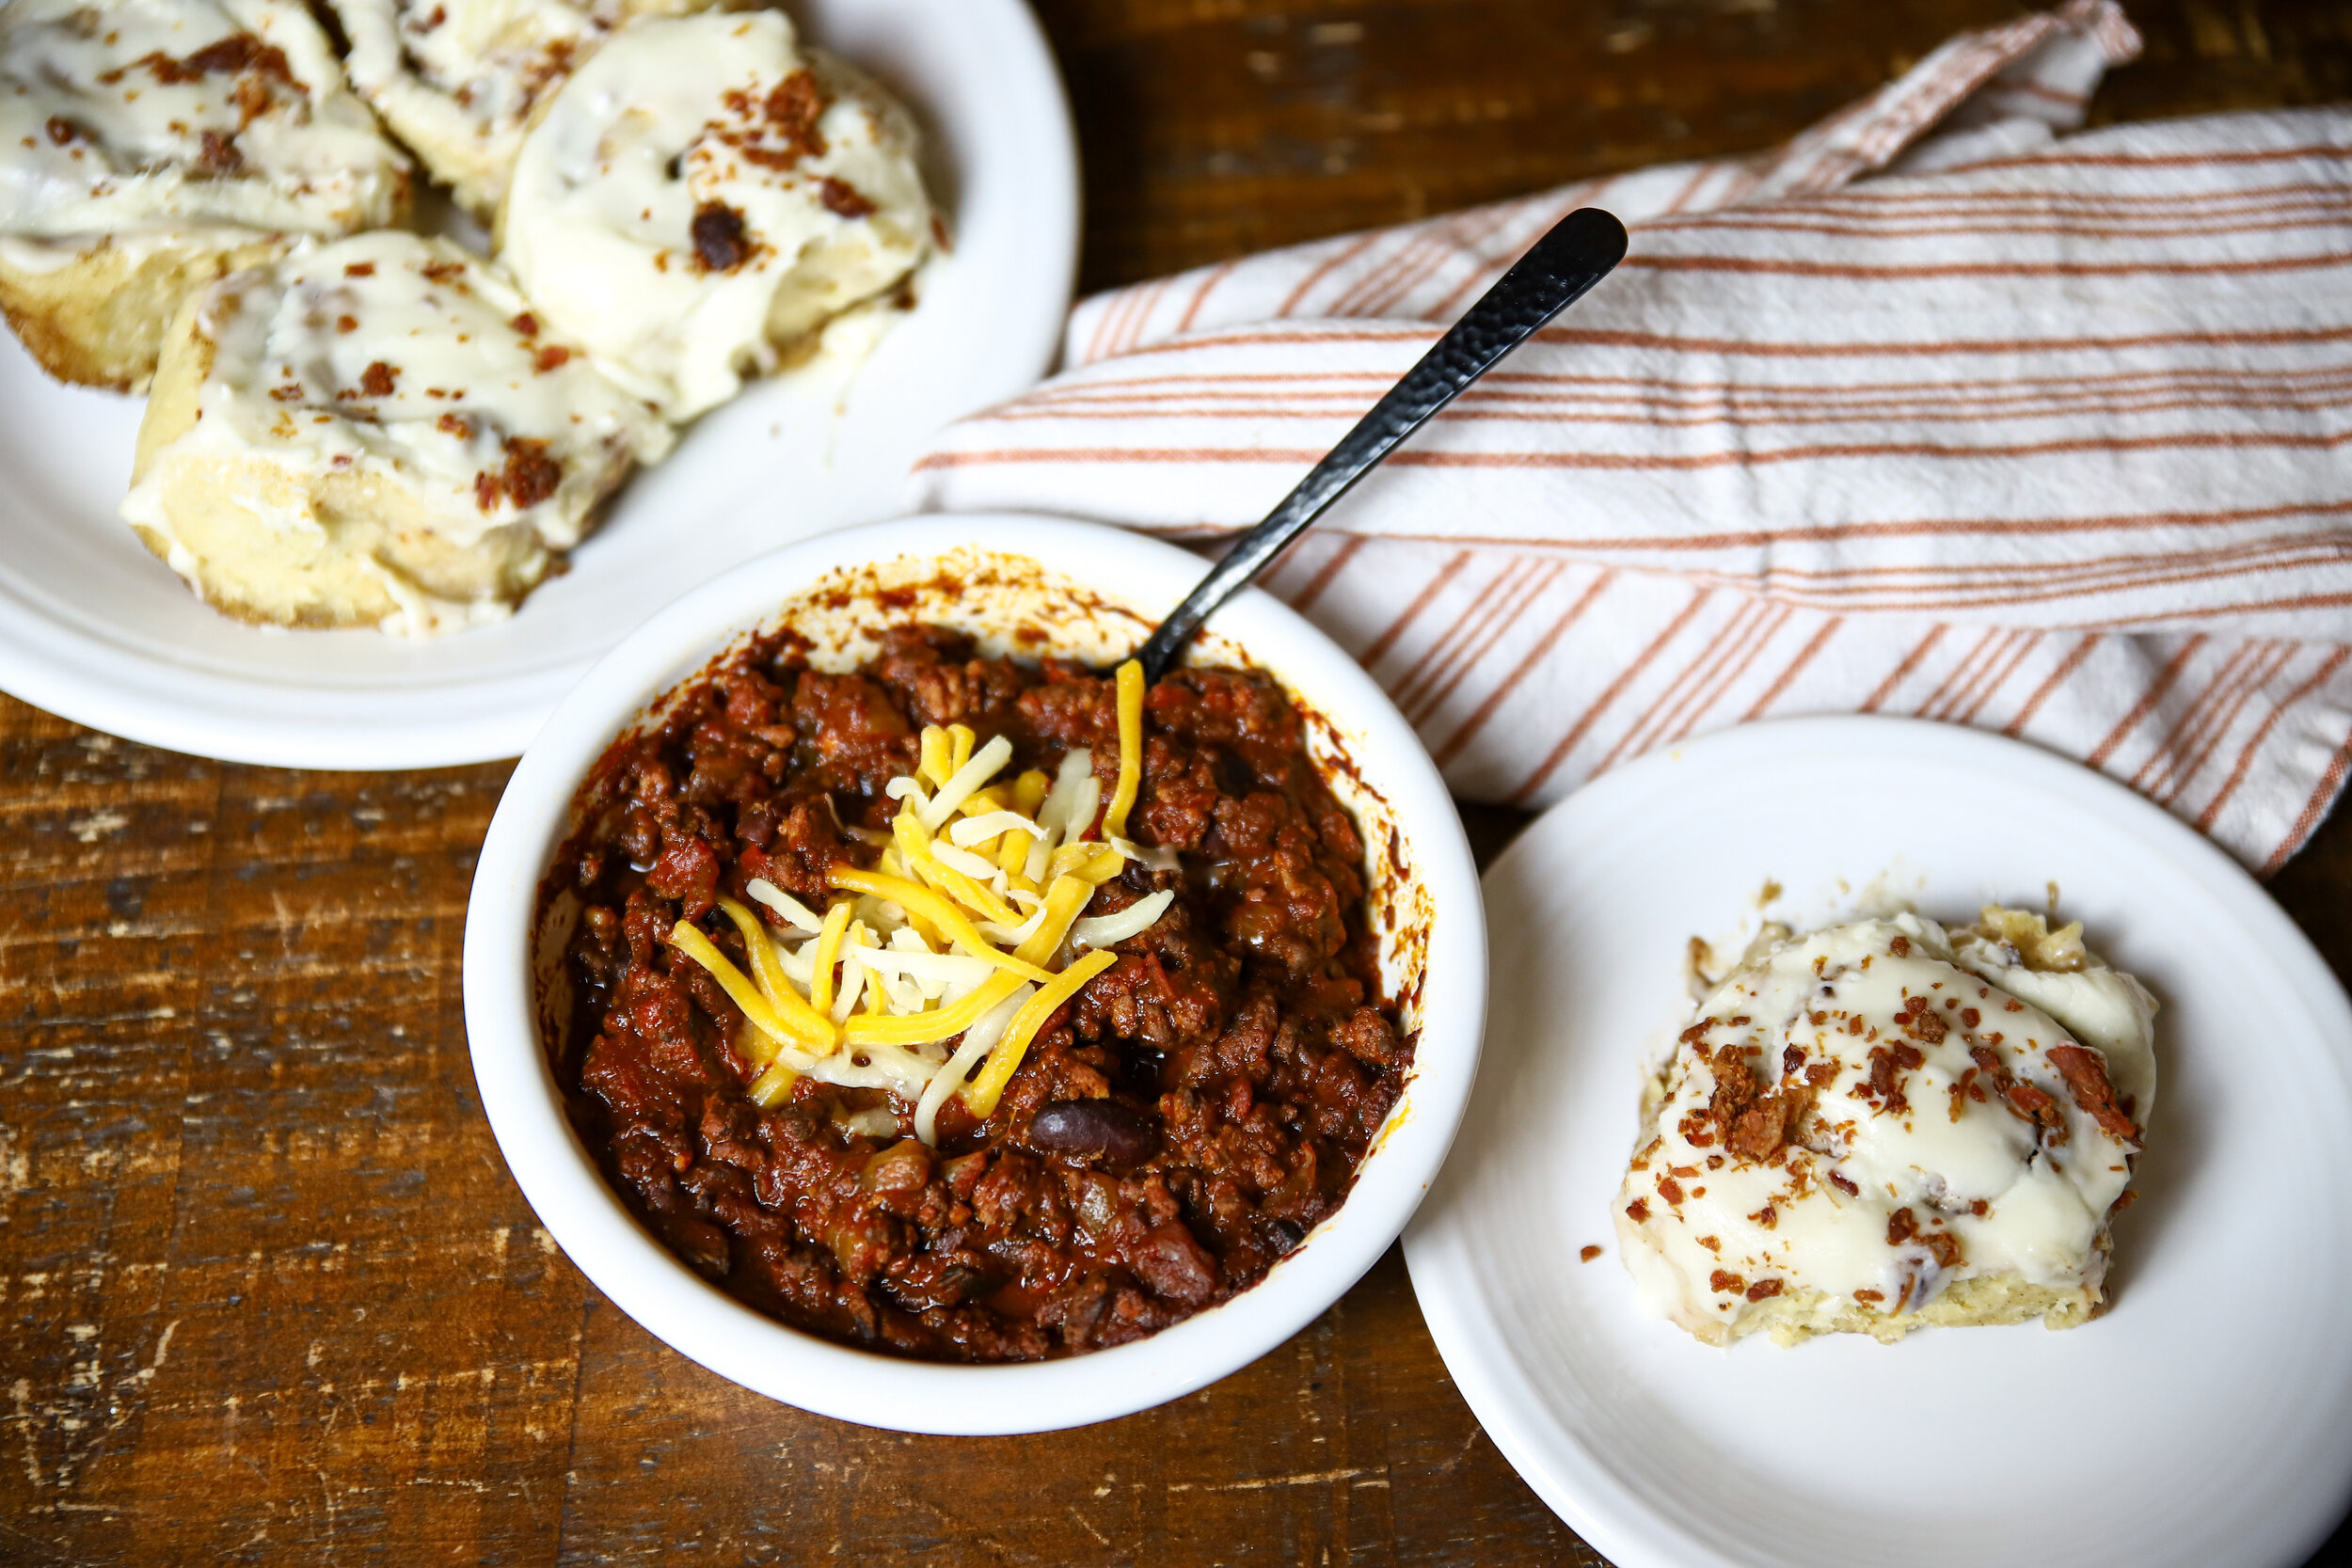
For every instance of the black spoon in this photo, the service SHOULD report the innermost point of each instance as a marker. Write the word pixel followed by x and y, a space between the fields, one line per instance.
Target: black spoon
pixel 1554 273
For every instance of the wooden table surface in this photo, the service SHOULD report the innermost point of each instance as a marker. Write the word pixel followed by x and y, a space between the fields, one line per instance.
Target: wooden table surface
pixel 266 1291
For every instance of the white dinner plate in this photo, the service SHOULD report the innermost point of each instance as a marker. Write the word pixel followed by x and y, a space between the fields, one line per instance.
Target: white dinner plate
pixel 93 628
pixel 2205 1420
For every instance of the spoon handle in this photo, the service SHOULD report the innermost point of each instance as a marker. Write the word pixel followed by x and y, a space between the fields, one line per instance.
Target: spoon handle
pixel 1579 252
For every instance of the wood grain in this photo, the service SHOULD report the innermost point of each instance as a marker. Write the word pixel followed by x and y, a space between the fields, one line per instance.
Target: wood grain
pixel 267 1293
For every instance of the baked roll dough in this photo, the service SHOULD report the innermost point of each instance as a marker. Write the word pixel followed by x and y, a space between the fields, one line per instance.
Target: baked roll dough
pixel 701 196
pixel 457 80
pixel 149 147
pixel 375 432
pixel 1884 1125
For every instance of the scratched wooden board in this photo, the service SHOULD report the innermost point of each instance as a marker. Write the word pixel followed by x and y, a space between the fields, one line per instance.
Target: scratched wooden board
pixel 266 1291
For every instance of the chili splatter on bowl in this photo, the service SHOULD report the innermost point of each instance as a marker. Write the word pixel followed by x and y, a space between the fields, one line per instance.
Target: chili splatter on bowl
pixel 967 1007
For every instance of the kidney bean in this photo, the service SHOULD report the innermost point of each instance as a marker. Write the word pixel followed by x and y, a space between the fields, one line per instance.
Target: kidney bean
pixel 1105 1130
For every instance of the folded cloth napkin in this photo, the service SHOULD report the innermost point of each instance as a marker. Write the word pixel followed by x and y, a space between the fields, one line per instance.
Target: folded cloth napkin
pixel 1932 411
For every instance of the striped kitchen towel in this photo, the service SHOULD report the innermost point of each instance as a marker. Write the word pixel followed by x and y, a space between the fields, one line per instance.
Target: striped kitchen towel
pixel 1936 410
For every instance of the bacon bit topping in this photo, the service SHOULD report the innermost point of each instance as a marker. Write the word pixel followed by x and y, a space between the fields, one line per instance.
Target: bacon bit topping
pixel 1792 1061
pixel 2037 1107
pixel 1946 1246
pixel 346 324
pixel 720 242
pixel 1724 1280
pixel 1712 1243
pixel 793 110
pixel 525 323
pixel 1839 1180
pixel 1900 946
pixel 1764 1289
pixel 2086 1074
pixel 2131 1195
pixel 237 51
pixel 360 269
pixel 2012 1005
pixel 1588 1253
pixel 1682 1170
pixel 1970 1018
pixel 444 272
pixel 1638 1211
pixel 1817 1019
pixel 1768 1216
pixel 1753 1123
pixel 530 477
pixel 1901 1226
pixel 286 394
pixel 377 379
pixel 843 199
pixel 1669 1189
pixel 455 424
pixel 1871 1296
pixel 1919 1021
pixel 1697 1033
pixel 1964 1089
pixel 219 155
pixel 1979 1208
pixel 252 96
pixel 552 358
pixel 61 130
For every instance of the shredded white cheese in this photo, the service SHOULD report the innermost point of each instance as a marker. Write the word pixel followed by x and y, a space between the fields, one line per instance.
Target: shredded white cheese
pixel 967 781
pixel 1135 919
pixel 799 915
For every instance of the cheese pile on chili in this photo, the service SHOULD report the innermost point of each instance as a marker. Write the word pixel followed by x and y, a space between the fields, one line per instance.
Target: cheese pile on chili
pixel 968 927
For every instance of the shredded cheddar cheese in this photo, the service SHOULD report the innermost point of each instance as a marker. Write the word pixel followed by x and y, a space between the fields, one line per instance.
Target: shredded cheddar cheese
pixel 938 756
pixel 1130 682
pixel 1005 1058
pixel 829 954
pixel 688 939
pixel 770 1088
pixel 937 1024
pixel 923 859
pixel 929 974
pixel 953 923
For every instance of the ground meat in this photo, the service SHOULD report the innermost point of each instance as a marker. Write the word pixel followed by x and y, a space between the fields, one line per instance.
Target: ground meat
pixel 1185 1121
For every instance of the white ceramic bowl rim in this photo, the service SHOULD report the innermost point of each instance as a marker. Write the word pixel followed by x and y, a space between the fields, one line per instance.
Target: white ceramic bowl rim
pixel 589 1221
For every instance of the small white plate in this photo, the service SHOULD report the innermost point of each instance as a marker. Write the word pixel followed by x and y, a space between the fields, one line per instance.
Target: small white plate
pixel 2206 1418
pixel 93 628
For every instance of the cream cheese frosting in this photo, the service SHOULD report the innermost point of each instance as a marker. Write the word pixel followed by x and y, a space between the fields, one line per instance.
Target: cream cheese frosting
pixel 458 79
pixel 395 357
pixel 1872 1114
pixel 701 196
pixel 123 117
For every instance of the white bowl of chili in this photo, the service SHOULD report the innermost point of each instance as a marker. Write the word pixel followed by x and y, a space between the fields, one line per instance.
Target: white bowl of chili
pixel 1024 587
